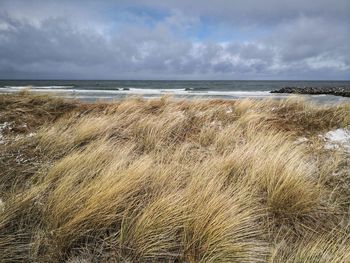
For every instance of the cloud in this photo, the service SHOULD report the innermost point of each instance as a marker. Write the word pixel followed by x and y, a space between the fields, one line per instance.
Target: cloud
pixel 254 11
pixel 164 39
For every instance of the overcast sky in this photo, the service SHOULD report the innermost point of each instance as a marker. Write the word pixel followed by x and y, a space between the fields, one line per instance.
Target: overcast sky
pixel 179 39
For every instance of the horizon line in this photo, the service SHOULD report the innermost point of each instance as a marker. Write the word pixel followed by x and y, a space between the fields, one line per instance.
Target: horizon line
pixel 306 80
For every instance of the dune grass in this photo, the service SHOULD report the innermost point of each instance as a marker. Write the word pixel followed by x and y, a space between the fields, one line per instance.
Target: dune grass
pixel 168 180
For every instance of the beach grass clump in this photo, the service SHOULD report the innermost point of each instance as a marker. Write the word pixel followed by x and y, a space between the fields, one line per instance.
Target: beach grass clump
pixel 331 247
pixel 168 180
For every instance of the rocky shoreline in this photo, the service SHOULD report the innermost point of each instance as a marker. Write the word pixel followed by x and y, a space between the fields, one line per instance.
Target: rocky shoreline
pixel 337 91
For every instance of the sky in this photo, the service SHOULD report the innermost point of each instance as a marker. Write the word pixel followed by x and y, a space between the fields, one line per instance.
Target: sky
pixel 179 39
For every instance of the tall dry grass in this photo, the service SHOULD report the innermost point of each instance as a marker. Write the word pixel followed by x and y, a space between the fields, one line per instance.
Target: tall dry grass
pixel 169 180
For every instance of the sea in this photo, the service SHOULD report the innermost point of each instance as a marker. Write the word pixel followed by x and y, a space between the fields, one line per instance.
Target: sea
pixel 92 90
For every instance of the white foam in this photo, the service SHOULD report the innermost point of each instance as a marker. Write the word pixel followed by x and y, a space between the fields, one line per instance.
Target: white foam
pixel 198 92
pixel 70 90
pixel 38 87
pixel 241 93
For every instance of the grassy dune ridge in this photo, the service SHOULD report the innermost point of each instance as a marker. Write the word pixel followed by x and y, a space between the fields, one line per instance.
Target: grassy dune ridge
pixel 168 180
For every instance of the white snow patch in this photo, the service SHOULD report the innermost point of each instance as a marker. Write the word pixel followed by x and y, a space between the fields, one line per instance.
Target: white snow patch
pixel 20 137
pixel 2 205
pixel 216 124
pixel 3 126
pixel 7 125
pixel 339 135
pixel 339 138
pixel 20 159
pixel 301 140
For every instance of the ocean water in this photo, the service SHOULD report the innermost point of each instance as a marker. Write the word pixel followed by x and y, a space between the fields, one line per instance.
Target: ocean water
pixel 90 90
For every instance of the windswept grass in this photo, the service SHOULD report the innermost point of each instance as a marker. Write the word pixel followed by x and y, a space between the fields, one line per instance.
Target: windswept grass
pixel 169 180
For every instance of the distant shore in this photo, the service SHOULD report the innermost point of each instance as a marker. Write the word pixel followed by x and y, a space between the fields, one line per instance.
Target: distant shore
pixel 337 91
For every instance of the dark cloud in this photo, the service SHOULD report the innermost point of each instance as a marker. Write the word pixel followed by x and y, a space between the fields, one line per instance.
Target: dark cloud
pixel 87 39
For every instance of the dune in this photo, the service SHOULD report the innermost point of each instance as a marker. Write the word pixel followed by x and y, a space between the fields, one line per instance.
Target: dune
pixel 172 180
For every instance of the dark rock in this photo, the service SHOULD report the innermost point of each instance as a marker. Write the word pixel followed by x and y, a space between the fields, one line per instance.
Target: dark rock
pixel 337 91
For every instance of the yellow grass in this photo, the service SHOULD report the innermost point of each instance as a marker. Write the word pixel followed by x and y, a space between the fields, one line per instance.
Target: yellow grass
pixel 168 180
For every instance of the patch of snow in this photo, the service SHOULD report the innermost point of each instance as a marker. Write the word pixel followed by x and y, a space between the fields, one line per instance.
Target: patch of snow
pixel 21 159
pixel 339 135
pixel 2 205
pixel 7 125
pixel 3 126
pixel 215 124
pixel 339 138
pixel 331 146
pixel 19 137
pixel 301 140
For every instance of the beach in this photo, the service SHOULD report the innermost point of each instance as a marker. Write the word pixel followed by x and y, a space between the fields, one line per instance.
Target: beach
pixel 173 180
pixel 174 131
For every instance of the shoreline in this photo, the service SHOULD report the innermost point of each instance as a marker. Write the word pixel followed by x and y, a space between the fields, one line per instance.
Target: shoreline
pixel 89 95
